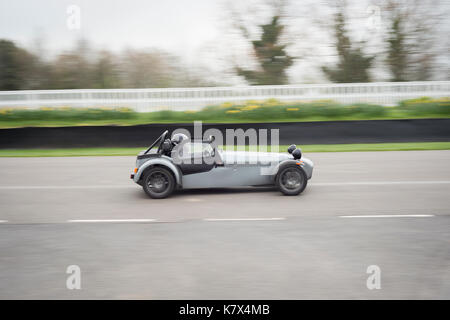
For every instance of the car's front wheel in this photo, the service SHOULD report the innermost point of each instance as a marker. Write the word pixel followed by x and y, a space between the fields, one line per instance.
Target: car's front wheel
pixel 158 182
pixel 291 181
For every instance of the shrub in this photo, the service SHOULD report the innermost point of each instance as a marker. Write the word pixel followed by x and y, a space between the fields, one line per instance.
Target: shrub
pixel 66 113
pixel 425 105
pixel 259 111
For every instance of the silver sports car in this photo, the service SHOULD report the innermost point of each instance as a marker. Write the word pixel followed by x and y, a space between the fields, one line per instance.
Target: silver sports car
pixel 180 163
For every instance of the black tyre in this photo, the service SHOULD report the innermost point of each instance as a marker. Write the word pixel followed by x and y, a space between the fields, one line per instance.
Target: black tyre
pixel 291 181
pixel 158 182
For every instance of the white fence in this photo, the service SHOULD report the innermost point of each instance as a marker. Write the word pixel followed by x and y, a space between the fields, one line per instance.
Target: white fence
pixel 384 93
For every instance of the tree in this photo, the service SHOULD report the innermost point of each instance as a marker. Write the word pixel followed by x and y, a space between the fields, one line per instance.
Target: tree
pixel 15 66
pixel 353 64
pixel 73 69
pixel 104 72
pixel 272 59
pixel 414 39
pixel 145 69
pixel 397 51
pixel 70 71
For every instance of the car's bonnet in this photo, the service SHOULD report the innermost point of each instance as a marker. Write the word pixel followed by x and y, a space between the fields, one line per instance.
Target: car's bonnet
pixel 247 157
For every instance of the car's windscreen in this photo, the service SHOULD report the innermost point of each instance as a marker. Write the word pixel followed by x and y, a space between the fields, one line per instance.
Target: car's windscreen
pixel 196 149
pixel 157 142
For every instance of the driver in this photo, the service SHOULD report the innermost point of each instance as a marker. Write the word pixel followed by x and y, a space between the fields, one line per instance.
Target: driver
pixel 178 137
pixel 176 140
pixel 168 144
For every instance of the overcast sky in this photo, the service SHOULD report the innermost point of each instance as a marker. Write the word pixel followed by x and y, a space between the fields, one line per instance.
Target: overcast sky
pixel 193 29
pixel 112 24
pixel 196 30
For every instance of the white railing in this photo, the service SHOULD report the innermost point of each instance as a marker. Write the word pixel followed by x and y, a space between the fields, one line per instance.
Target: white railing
pixel 384 93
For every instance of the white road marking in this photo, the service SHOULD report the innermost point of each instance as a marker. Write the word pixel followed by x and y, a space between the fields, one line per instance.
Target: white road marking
pixel 110 220
pixel 194 199
pixel 245 219
pixel 3 221
pixel 391 216
pixel 376 183
pixel 68 187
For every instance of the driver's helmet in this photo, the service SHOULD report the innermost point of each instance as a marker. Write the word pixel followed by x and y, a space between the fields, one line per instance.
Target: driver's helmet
pixel 178 137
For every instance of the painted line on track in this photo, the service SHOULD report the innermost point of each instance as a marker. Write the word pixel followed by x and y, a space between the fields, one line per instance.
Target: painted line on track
pixel 390 216
pixel 377 183
pixel 3 221
pixel 68 187
pixel 244 219
pixel 111 220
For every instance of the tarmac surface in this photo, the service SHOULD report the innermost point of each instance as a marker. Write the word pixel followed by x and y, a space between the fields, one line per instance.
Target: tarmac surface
pixel 388 209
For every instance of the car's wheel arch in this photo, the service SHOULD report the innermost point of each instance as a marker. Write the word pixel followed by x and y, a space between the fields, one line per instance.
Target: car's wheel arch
pixel 285 164
pixel 159 163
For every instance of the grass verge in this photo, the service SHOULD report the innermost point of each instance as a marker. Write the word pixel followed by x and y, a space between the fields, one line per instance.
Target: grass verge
pixel 270 110
pixel 77 152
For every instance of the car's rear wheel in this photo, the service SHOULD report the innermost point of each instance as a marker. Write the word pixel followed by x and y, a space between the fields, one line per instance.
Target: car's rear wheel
pixel 158 182
pixel 291 181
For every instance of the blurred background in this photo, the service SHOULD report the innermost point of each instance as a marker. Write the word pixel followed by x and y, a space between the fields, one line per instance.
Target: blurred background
pixel 144 44
pixel 225 61
pixel 105 78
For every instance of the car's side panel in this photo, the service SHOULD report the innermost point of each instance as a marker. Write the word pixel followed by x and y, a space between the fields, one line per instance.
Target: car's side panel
pixel 227 176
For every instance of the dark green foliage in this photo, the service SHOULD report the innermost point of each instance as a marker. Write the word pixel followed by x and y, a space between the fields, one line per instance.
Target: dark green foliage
pixel 15 66
pixel 353 65
pixel 425 105
pixel 66 113
pixel 272 59
pixel 398 53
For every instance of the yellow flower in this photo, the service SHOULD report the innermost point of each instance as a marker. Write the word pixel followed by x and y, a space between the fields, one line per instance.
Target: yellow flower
pixel 64 108
pixel 46 108
pixel 271 102
pixel 233 111
pixel 190 111
pixel 250 102
pixel 226 105
pixel 250 107
pixel 292 109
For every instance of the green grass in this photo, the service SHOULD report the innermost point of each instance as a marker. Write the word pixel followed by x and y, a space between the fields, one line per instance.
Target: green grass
pixel 270 110
pixel 75 152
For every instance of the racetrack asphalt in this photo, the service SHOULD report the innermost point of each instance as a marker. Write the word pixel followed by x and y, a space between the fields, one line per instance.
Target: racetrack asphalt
pixel 389 209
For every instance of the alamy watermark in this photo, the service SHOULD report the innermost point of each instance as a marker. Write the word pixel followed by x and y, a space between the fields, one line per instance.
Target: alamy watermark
pixel 203 147
pixel 73 281
pixel 374 280
pixel 73 21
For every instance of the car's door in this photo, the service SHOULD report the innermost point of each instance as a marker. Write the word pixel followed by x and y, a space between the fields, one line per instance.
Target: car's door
pixel 196 157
